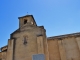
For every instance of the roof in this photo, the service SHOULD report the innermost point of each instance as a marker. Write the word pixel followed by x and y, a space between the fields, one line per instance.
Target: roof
pixel 65 36
pixel 25 16
pixel 4 46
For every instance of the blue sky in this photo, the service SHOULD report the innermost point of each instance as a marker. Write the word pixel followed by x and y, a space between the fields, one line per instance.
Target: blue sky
pixel 57 16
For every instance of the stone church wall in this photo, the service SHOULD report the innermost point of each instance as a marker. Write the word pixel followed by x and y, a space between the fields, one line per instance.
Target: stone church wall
pixel 53 49
pixel 9 55
pixel 64 49
pixel 71 48
pixel 0 55
pixel 34 41
pixel 78 42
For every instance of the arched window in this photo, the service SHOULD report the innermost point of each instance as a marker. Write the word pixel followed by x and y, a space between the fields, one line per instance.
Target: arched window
pixel 25 21
pixel 25 40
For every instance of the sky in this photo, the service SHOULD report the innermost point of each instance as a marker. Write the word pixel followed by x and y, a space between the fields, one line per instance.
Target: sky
pixel 59 17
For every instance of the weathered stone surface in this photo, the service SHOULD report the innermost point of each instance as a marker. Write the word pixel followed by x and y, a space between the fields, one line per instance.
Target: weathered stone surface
pixel 53 48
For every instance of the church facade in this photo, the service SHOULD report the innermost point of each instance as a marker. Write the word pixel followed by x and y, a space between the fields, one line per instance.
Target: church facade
pixel 30 39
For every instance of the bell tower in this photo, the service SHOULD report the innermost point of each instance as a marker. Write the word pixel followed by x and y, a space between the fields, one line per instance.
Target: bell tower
pixel 26 20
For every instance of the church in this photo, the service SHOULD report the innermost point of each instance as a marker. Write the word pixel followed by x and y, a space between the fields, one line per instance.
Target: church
pixel 29 40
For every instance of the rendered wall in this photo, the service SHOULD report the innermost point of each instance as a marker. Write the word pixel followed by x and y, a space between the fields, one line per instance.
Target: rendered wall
pixel 26 51
pixel 65 49
pixel 0 55
pixel 62 50
pixel 3 55
pixel 9 55
pixel 72 48
pixel 53 49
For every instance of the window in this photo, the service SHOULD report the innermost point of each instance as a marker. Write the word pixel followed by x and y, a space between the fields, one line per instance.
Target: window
pixel 25 40
pixel 25 21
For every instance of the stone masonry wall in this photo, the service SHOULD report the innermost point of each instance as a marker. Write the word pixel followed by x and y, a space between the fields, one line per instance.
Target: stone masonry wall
pixel 64 49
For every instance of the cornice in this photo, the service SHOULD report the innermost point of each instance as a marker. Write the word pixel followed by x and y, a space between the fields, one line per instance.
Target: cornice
pixel 60 37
